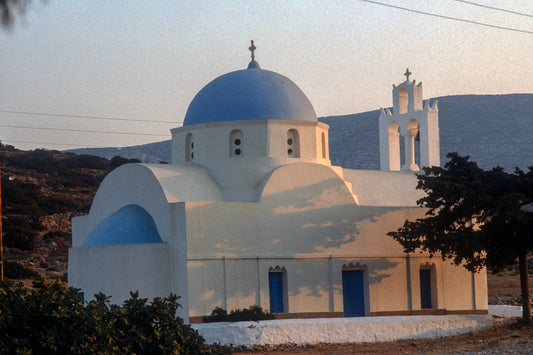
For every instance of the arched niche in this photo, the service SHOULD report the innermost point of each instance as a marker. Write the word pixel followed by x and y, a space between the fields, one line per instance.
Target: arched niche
pixel 412 146
pixel 403 101
pixel 131 224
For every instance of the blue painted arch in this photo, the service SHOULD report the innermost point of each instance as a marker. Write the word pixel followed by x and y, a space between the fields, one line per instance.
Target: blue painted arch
pixel 131 224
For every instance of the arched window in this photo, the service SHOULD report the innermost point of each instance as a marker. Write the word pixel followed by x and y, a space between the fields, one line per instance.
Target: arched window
pixel 293 144
pixel 189 147
pixel 402 101
pixel 323 146
pixel 236 144
pixel 277 288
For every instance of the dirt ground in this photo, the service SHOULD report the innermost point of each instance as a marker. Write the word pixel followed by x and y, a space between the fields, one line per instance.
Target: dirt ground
pixel 504 288
pixel 506 285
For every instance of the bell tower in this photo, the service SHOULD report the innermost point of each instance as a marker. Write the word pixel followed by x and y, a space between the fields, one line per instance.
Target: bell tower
pixel 413 120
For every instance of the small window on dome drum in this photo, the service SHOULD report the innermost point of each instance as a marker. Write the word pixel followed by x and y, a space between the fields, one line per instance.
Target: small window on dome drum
pixel 293 144
pixel 189 148
pixel 236 143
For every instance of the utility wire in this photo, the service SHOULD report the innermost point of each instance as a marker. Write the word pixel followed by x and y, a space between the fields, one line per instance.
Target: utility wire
pixel 84 130
pixel 7 141
pixel 449 17
pixel 81 116
pixel 496 8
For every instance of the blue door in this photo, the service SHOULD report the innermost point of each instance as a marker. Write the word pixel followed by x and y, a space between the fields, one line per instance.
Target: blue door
pixel 353 293
pixel 275 284
pixel 425 288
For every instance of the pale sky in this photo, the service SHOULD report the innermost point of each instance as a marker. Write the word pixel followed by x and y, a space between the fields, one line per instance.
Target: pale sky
pixel 145 60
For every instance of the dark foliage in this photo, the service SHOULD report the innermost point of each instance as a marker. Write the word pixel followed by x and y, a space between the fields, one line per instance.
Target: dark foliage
pixel 7 147
pixel 474 217
pixel 57 234
pixel 40 160
pixel 8 9
pixel 52 161
pixel 20 232
pixel 252 313
pixel 15 271
pixel 52 320
pixel 117 161
pixel 20 197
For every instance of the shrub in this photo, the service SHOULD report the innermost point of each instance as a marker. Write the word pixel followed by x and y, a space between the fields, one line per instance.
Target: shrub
pixel 217 315
pixel 16 271
pixel 50 319
pixel 117 161
pixel 7 148
pixel 20 197
pixel 19 232
pixel 41 160
pixel 57 234
pixel 89 162
pixel 252 313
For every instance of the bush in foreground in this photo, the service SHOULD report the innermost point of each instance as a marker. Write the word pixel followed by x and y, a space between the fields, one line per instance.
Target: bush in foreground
pixel 52 320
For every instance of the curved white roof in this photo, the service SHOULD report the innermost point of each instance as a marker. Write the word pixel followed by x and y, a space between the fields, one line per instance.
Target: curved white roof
pixel 153 185
pixel 384 188
pixel 250 94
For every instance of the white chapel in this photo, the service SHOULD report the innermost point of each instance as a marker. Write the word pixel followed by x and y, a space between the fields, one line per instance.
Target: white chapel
pixel 250 211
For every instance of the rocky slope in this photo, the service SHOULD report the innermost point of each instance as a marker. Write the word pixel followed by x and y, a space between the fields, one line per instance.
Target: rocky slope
pixel 41 191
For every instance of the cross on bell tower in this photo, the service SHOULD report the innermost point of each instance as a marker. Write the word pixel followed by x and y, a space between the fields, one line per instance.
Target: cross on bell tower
pixel 407 73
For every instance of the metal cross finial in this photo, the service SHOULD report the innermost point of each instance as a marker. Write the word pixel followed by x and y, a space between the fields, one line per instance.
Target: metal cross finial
pixel 252 48
pixel 407 73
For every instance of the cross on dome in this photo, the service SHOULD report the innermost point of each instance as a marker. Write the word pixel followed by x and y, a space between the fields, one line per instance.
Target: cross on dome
pixel 252 49
pixel 407 73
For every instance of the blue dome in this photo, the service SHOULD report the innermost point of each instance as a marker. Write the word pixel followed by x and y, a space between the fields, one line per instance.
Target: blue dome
pixel 129 225
pixel 250 94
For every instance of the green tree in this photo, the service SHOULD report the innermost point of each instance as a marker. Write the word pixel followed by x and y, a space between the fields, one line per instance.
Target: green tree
pixel 475 218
